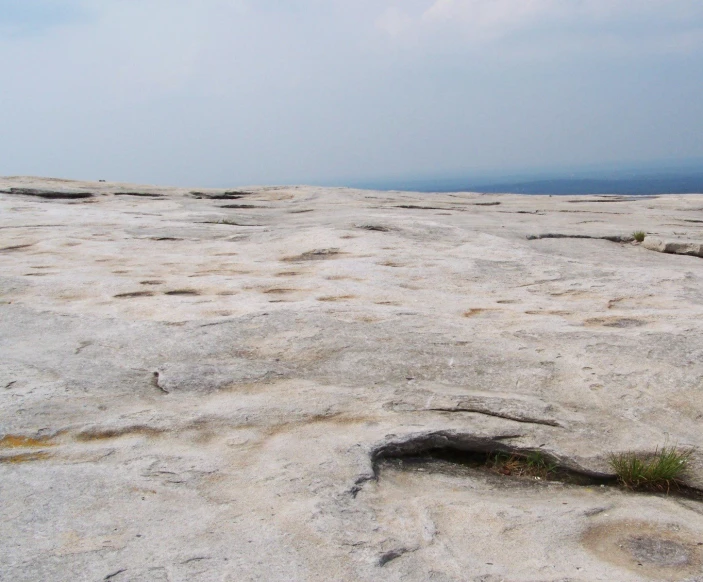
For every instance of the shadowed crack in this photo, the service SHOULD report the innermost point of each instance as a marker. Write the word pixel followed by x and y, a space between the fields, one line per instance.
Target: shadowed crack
pixel 507 416
pixel 415 207
pixel 472 450
pixel 393 554
pixel 464 454
pixel 140 194
pixel 509 409
pixel 134 294
pixel 231 195
pixel 16 248
pixel 183 292
pixel 196 559
pixel 613 199
pixel 228 222
pixel 241 206
pixel 35 226
pixel 612 238
pixel 47 194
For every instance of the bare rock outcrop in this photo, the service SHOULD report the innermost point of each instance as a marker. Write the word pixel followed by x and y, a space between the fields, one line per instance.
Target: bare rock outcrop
pixel 674 247
pixel 310 384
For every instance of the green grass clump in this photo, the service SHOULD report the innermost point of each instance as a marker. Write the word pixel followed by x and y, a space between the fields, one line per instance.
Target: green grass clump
pixel 658 471
pixel 639 235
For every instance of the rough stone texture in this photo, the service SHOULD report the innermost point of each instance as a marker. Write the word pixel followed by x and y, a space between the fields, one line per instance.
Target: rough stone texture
pixel 191 392
pixel 675 247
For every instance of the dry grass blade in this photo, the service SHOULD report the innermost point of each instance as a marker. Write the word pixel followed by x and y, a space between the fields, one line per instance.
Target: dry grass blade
pixel 533 464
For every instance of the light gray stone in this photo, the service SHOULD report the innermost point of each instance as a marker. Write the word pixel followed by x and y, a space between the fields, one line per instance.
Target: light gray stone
pixel 184 397
pixel 674 247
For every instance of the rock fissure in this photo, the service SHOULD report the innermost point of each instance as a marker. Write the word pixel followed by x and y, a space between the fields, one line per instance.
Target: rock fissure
pixel 526 420
pixel 471 446
pixel 416 207
pixel 612 238
pixel 394 554
pixel 140 194
pixel 16 248
pixel 457 453
pixel 234 195
pixel 47 194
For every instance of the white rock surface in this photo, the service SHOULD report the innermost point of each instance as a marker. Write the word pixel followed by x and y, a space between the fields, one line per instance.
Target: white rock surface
pixel 195 387
pixel 675 247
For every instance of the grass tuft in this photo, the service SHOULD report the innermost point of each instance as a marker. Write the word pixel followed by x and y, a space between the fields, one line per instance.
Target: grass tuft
pixel 639 235
pixel 533 464
pixel 658 471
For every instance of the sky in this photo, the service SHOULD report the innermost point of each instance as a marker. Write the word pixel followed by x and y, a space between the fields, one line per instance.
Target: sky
pixel 240 92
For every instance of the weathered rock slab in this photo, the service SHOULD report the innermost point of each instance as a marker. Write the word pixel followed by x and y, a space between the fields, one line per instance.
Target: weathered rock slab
pixel 674 247
pixel 187 397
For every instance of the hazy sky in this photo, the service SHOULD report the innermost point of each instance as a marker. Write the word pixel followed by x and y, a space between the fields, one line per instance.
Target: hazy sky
pixel 227 92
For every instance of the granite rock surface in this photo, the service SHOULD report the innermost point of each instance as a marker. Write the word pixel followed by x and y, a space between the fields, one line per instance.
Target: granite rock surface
pixel 223 385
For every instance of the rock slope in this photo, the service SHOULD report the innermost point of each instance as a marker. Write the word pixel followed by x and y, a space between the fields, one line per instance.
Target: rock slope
pixel 222 385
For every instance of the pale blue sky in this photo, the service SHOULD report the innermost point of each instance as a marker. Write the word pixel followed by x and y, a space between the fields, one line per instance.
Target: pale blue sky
pixel 219 92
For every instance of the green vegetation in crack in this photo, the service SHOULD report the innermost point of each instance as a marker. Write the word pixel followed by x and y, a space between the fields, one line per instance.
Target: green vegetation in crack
pixel 659 471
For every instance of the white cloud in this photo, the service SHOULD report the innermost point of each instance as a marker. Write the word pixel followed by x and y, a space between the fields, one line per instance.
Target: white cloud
pixel 393 21
pixel 652 24
pixel 489 18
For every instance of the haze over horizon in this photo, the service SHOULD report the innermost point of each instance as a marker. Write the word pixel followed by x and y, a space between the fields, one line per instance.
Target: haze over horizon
pixel 312 91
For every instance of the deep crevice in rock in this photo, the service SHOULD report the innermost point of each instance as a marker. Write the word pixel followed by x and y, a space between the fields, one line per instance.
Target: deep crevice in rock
pixel 613 199
pixel 233 195
pixel 445 451
pixel 47 194
pixel 184 292
pixel 471 451
pixel 242 206
pixel 140 194
pixel 439 459
pixel 612 238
